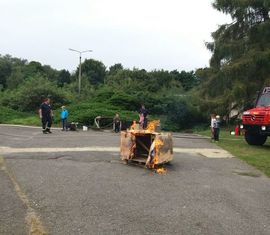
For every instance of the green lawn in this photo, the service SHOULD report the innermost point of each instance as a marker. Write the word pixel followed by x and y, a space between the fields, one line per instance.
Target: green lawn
pixel 10 116
pixel 257 156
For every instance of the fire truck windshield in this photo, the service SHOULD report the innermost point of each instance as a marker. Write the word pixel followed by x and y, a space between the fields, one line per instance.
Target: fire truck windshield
pixel 264 100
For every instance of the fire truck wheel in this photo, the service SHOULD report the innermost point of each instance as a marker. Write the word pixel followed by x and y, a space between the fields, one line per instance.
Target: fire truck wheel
pixel 255 139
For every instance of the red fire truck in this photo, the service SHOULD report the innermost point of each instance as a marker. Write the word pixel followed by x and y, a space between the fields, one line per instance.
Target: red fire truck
pixel 256 121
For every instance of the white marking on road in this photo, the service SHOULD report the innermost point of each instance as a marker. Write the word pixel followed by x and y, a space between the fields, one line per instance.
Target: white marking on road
pixel 50 150
pixel 210 153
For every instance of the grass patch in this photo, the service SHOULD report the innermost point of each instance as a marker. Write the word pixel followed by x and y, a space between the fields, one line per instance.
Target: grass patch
pixel 10 116
pixel 257 156
pixel 29 121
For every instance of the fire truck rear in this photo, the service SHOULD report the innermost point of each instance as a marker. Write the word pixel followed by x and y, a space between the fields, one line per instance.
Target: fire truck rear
pixel 256 121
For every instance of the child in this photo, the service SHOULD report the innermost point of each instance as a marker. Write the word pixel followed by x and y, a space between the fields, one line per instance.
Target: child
pixel 64 115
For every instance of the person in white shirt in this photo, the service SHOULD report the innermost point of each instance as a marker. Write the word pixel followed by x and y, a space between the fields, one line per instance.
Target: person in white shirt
pixel 213 119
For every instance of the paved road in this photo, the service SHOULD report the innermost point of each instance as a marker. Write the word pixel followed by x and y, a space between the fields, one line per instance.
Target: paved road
pixel 92 192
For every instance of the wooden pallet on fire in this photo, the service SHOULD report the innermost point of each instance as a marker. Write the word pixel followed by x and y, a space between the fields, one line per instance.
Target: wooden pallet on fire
pixel 146 147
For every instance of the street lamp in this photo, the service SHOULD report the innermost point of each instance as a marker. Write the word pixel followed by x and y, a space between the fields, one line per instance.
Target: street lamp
pixel 80 67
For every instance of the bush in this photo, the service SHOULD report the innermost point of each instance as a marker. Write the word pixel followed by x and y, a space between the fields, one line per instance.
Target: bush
pixel 8 115
pixel 124 101
pixel 181 115
pixel 86 112
pixel 31 93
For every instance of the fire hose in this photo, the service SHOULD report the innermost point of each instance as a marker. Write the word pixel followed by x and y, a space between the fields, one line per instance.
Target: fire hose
pixel 97 122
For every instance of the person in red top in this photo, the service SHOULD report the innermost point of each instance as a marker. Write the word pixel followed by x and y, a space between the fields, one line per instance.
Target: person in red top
pixel 46 115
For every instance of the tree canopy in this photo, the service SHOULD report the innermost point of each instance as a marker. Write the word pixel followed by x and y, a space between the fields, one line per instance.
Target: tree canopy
pixel 240 62
pixel 25 84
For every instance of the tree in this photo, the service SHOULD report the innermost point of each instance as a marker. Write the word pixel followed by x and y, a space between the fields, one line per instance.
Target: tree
pixel 63 77
pixel 240 62
pixel 115 68
pixel 16 78
pixel 49 72
pixel 94 70
pixel 5 71
pixel 32 91
pixel 33 68
pixel 187 79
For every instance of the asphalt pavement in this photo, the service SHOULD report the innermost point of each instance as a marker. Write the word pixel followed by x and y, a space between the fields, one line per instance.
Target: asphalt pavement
pixel 93 192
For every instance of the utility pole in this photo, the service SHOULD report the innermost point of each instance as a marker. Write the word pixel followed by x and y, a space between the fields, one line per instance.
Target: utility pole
pixel 80 67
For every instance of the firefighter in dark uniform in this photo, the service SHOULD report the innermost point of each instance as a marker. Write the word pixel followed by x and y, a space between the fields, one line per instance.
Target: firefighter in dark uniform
pixel 46 115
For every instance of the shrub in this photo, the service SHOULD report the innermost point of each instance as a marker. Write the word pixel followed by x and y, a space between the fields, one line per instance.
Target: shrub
pixel 31 93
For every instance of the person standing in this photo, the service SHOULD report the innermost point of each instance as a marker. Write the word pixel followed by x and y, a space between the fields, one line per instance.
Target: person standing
pixel 213 119
pixel 216 128
pixel 144 112
pixel 117 123
pixel 64 116
pixel 46 115
pixel 141 120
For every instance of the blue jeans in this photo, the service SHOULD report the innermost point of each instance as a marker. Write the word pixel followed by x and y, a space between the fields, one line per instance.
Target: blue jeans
pixel 64 124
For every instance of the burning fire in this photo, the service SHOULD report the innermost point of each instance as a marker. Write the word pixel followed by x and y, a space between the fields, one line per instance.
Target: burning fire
pixel 152 125
pixel 153 161
pixel 161 170
pixel 158 143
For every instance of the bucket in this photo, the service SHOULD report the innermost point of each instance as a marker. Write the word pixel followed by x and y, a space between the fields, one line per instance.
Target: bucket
pixel 85 128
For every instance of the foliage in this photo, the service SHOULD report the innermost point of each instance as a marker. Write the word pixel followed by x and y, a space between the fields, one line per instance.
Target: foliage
pixel 181 114
pixel 94 71
pixel 240 62
pixel 63 78
pixel 5 70
pixel 8 115
pixel 187 79
pixel 31 94
pixel 86 112
pixel 102 93
pixel 115 68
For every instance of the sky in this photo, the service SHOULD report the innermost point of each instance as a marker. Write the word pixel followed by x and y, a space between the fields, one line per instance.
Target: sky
pixel 145 34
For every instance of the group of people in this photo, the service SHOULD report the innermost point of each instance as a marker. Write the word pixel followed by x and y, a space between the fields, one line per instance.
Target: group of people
pixel 143 112
pixel 46 116
pixel 215 127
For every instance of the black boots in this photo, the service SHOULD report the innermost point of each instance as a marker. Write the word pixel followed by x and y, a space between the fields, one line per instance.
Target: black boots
pixel 46 131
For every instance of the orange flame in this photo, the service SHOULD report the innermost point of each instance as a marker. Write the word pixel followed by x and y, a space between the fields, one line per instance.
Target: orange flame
pixel 155 161
pixel 161 170
pixel 158 144
pixel 152 125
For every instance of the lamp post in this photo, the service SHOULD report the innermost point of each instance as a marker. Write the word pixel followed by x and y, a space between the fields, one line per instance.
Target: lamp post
pixel 80 66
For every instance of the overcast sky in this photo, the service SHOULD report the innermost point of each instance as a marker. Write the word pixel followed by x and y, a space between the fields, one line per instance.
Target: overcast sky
pixel 149 34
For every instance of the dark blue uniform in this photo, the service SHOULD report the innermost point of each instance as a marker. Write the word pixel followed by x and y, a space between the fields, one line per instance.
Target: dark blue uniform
pixel 46 112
